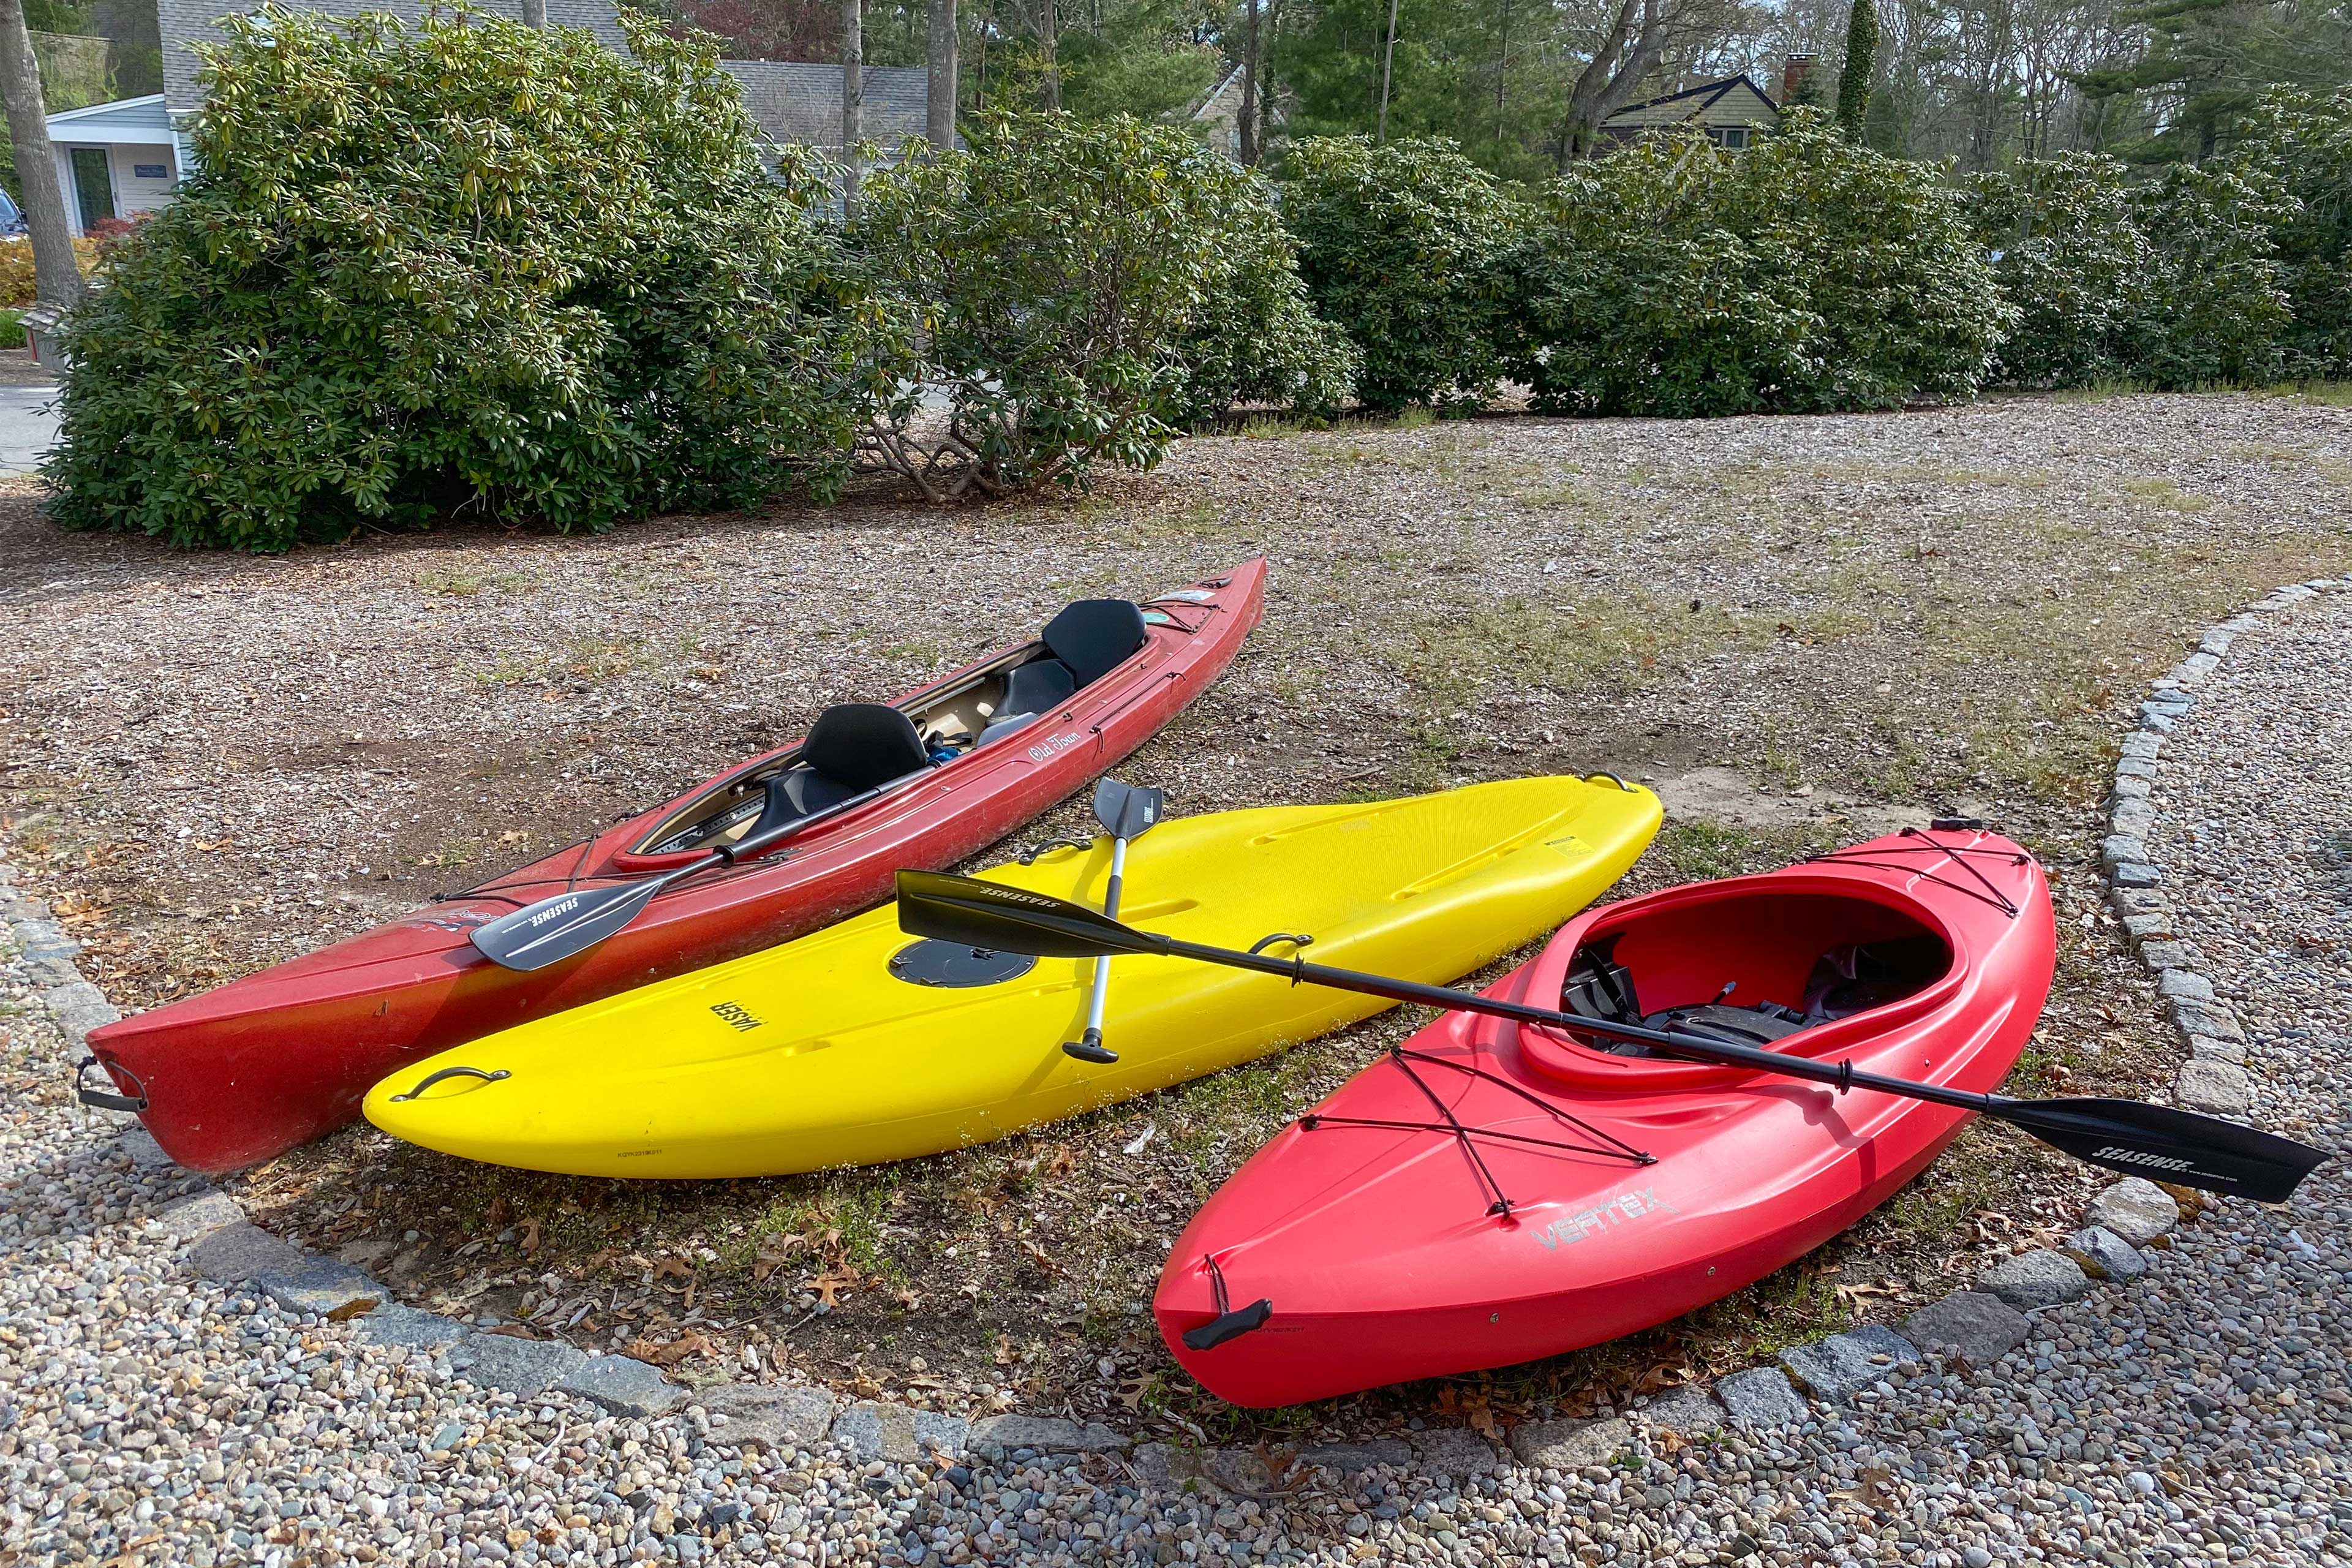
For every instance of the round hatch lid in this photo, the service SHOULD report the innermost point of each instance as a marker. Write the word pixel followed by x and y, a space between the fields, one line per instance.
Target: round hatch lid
pixel 957 963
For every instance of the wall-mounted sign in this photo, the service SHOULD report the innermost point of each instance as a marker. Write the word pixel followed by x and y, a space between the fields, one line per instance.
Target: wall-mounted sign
pixel 151 172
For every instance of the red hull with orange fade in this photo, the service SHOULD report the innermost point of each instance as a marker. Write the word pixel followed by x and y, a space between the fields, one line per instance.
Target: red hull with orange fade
pixel 1589 1194
pixel 246 1071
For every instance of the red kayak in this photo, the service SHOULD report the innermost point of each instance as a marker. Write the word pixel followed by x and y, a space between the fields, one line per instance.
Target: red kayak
pixel 269 1061
pixel 1490 1192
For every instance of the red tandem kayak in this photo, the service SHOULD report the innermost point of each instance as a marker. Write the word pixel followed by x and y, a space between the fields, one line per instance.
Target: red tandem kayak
pixel 1490 1193
pixel 269 1061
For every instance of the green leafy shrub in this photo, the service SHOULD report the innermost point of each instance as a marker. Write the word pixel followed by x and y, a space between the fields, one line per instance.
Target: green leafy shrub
pixel 1805 274
pixel 1084 284
pixel 1630 299
pixel 463 265
pixel 1256 338
pixel 1402 245
pixel 2067 251
pixel 2302 141
pixel 2213 310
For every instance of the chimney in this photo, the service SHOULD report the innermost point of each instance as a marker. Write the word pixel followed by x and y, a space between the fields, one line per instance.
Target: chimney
pixel 1793 72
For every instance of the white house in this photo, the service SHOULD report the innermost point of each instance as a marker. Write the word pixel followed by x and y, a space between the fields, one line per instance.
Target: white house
pixel 118 159
pixel 115 159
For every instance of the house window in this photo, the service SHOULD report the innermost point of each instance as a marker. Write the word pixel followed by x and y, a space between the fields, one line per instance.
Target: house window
pixel 1734 137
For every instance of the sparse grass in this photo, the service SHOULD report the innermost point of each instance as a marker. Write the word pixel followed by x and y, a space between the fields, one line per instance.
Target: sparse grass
pixel 510 670
pixel 451 582
pixel 2325 393
pixel 450 856
pixel 1417 416
pixel 2167 492
pixel 1266 427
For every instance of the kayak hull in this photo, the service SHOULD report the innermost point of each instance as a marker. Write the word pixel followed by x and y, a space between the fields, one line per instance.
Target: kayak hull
pixel 1608 1194
pixel 247 1070
pixel 843 1048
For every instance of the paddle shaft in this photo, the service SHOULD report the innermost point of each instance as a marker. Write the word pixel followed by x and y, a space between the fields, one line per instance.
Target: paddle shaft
pixel 1839 1075
pixel 1102 996
pixel 575 921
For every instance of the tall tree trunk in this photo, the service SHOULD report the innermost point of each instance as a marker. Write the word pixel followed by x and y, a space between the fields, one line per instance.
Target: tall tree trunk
pixel 1502 65
pixel 1049 31
pixel 534 13
pixel 939 117
pixel 1388 60
pixel 55 277
pixel 1266 83
pixel 1246 122
pixel 1636 40
pixel 853 100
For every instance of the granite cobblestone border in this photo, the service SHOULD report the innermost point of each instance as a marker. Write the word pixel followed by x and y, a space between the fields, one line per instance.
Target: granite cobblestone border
pixel 1975 1328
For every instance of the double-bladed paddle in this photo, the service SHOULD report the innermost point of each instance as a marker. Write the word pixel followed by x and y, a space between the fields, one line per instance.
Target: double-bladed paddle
pixel 2128 1135
pixel 1126 814
pixel 555 928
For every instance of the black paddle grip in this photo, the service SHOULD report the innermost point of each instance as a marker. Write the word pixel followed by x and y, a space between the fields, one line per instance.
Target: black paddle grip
pixel 1233 1325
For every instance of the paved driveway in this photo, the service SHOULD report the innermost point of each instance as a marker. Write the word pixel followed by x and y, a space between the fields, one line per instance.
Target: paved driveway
pixel 28 423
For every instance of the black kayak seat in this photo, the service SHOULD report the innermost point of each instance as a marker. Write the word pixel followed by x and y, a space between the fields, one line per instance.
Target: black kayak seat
pixel 1095 636
pixel 853 747
pixel 1085 642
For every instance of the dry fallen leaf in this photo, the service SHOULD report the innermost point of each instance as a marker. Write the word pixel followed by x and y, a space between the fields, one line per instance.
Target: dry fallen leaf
pixel 672 1353
pixel 829 1287
pixel 774 1253
pixel 672 1267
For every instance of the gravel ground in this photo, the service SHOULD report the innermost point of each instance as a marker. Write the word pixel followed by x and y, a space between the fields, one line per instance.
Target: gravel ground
pixel 2198 1414
pixel 1796 626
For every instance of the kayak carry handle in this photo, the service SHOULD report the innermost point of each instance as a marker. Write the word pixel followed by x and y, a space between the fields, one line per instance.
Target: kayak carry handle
pixel 1233 1325
pixel 105 1100
pixel 1228 1323
pixel 1029 856
pixel 499 1076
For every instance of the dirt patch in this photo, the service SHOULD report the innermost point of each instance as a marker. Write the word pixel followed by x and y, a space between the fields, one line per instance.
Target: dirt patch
pixel 212 763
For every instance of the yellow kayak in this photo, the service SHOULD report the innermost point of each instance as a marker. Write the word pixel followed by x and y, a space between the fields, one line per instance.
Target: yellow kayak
pixel 860 1044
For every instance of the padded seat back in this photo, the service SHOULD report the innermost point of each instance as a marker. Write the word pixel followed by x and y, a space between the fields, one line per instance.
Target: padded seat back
pixel 863 746
pixel 1094 636
pixel 1037 686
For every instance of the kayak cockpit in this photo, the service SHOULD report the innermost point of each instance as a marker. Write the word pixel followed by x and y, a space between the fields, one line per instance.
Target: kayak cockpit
pixel 1749 967
pixel 859 748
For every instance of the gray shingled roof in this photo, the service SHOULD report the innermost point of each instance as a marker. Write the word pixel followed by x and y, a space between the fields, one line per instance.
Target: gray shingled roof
pixel 183 22
pixel 802 102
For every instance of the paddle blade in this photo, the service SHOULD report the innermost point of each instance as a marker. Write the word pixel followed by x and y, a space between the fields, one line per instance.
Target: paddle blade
pixel 1010 919
pixel 2165 1143
pixel 1125 811
pixel 552 930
